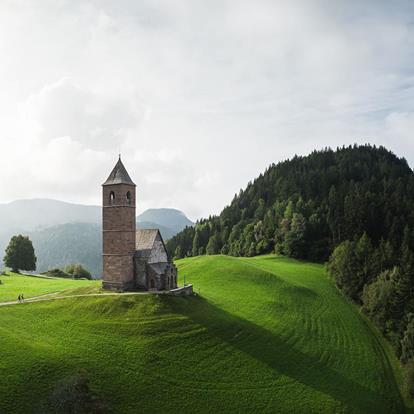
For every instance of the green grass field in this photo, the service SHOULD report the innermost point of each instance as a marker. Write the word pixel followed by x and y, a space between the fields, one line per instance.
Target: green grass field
pixel 14 284
pixel 264 335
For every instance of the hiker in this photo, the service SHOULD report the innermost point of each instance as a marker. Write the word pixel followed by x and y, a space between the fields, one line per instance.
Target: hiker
pixel 19 299
pixel 22 297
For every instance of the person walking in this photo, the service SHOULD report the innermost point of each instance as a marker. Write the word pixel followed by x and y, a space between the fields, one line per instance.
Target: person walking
pixel 19 299
pixel 22 297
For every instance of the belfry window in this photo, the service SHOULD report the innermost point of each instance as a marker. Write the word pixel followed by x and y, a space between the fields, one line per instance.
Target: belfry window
pixel 128 197
pixel 111 197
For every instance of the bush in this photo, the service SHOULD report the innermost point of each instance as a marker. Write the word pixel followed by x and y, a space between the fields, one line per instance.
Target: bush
pixel 409 379
pixel 56 273
pixel 77 271
pixel 407 342
pixel 377 298
pixel 73 396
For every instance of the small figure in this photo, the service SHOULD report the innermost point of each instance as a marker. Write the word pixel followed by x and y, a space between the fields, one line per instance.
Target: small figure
pixel 19 299
pixel 22 297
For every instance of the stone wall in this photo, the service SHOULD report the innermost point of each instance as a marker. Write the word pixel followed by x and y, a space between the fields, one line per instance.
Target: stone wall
pixel 118 217
pixel 182 291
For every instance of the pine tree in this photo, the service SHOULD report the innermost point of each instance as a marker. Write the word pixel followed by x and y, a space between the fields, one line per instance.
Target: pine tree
pixel 407 342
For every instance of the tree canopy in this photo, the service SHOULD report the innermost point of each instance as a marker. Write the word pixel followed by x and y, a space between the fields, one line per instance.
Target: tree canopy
pixel 353 206
pixel 307 206
pixel 20 254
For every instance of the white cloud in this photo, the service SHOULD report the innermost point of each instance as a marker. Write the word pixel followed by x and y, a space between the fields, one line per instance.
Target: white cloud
pixel 198 96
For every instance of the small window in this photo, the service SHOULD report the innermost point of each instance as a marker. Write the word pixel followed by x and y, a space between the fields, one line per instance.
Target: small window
pixel 112 198
pixel 128 197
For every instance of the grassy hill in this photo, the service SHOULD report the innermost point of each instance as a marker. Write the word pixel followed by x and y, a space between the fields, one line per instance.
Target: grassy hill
pixel 265 334
pixel 14 284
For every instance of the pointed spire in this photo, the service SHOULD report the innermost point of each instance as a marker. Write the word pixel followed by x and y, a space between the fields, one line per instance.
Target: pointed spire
pixel 119 175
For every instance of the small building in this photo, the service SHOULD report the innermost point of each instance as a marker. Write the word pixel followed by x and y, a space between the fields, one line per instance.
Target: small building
pixel 132 259
pixel 153 269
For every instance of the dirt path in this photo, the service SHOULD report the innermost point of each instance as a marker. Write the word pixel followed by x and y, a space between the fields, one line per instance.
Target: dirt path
pixel 52 296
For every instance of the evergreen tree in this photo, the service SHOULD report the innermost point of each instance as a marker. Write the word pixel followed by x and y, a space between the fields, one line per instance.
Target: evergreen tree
pixel 295 237
pixel 407 342
pixel 196 242
pixel 213 246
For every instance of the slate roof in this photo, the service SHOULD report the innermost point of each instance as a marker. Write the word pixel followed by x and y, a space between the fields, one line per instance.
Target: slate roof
pixel 119 175
pixel 145 239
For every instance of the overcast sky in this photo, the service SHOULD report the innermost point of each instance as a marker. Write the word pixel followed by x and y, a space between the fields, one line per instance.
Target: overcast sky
pixel 198 96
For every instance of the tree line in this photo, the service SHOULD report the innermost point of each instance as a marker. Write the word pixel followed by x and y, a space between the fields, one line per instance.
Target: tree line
pixel 20 255
pixel 352 207
pixel 307 206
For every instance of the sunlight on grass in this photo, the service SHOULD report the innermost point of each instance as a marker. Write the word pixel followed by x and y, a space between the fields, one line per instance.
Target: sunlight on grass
pixel 263 335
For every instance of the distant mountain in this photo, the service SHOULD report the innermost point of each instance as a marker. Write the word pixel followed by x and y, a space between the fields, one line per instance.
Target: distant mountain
pixel 27 215
pixel 64 233
pixel 31 214
pixel 166 232
pixel 64 244
pixel 169 218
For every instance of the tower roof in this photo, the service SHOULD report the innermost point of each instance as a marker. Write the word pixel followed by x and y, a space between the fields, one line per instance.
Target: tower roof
pixel 119 175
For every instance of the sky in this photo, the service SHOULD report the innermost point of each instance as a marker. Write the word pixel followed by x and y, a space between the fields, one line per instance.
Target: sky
pixel 199 97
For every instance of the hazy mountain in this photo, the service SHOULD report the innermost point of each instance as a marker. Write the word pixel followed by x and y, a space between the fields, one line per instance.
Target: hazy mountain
pixel 166 232
pixel 170 218
pixel 64 244
pixel 64 233
pixel 31 214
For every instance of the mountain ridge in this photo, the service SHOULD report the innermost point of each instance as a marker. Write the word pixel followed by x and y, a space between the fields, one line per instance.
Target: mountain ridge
pixel 64 233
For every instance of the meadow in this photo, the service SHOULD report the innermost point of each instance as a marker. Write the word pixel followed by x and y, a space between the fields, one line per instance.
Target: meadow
pixel 14 284
pixel 265 334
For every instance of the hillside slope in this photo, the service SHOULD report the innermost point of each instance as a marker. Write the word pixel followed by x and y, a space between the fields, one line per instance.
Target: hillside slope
pixel 266 335
pixel 304 207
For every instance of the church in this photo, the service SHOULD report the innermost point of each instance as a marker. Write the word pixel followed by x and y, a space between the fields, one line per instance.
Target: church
pixel 132 259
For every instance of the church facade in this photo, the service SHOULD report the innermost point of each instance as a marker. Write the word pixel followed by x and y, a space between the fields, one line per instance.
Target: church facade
pixel 132 259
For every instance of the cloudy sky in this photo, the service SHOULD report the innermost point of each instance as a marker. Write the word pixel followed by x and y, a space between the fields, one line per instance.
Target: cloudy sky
pixel 198 96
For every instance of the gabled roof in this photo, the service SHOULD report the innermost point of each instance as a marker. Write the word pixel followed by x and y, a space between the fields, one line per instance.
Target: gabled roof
pixel 145 239
pixel 119 175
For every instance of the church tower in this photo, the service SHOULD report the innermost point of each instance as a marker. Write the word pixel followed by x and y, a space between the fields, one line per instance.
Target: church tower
pixel 119 227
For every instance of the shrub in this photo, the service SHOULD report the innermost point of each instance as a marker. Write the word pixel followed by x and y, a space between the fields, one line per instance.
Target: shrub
pixel 73 396
pixel 409 379
pixel 407 342
pixel 77 271
pixel 377 298
pixel 56 273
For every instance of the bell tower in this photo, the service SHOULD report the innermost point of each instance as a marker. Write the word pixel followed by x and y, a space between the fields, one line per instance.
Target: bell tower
pixel 119 230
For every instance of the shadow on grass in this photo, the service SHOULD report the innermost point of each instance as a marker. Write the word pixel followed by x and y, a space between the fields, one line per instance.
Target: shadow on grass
pixel 273 351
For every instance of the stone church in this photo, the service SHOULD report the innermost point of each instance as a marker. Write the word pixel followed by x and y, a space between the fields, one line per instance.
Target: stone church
pixel 132 259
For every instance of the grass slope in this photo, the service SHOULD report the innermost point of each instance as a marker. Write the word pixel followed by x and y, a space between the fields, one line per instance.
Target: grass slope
pixel 14 284
pixel 265 335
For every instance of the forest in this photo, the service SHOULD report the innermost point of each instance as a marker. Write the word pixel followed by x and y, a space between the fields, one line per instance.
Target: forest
pixel 352 208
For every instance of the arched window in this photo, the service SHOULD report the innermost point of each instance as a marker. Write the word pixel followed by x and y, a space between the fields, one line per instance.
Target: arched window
pixel 128 197
pixel 152 284
pixel 111 197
